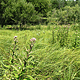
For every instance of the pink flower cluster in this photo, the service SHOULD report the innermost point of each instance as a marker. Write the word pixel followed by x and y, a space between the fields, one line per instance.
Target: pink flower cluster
pixel 15 38
pixel 33 39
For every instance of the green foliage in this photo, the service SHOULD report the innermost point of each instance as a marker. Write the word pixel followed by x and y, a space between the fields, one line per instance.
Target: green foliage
pixel 58 4
pixel 14 66
pixel 42 6
pixel 60 60
pixel 73 13
pixel 22 11
pixel 19 12
pixel 62 35
pixel 67 15
pixel 33 12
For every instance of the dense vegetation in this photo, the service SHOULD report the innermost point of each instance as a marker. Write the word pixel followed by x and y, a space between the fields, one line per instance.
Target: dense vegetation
pixel 55 55
pixel 38 11
pixel 43 42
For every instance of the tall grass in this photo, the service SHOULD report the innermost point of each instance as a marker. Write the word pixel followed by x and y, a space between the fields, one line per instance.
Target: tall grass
pixel 54 56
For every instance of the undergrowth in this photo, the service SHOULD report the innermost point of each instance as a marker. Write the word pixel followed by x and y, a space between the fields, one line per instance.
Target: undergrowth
pixel 54 56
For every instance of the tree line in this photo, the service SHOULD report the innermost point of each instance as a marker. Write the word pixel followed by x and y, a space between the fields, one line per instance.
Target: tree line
pixel 31 11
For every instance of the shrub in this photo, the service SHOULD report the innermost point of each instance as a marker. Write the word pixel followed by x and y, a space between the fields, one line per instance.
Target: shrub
pixel 67 15
pixel 19 12
pixel 64 39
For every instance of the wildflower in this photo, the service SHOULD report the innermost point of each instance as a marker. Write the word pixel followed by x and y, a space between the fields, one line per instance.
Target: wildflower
pixel 68 27
pixel 78 36
pixel 31 52
pixel 76 30
pixel 33 39
pixel 65 26
pixel 54 27
pixel 15 37
pixel 31 45
pixel 19 67
pixel 27 50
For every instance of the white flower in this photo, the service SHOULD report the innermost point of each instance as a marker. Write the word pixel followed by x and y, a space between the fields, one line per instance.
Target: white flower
pixel 19 67
pixel 33 39
pixel 15 36
pixel 78 36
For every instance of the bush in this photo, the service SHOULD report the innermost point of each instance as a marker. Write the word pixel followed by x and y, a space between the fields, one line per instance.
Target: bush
pixel 19 12
pixel 42 6
pixel 67 15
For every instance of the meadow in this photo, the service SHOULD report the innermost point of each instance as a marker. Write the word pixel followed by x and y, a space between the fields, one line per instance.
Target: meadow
pixel 54 55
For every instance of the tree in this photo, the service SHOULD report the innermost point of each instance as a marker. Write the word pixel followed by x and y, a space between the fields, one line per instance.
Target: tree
pixel 19 12
pixel 55 4
pixel 2 8
pixel 58 3
pixel 41 6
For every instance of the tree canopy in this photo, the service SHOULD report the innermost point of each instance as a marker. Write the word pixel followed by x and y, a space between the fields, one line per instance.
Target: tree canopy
pixel 29 11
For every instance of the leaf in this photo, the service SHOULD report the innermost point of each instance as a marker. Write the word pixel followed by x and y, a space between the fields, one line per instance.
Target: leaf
pixel 30 66
pixel 10 59
pixel 31 78
pixel 21 62
pixel 16 75
pixel 26 79
pixel 7 66
pixel 76 74
pixel 29 58
pixel 15 68
pixel 77 78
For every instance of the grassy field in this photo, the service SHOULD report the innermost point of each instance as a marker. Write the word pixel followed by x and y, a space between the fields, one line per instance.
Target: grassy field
pixel 54 56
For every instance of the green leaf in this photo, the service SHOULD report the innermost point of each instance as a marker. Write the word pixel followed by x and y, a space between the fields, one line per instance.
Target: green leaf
pixel 15 68
pixel 30 77
pixel 7 66
pixel 29 58
pixel 29 66
pixel 21 62
pixel 77 78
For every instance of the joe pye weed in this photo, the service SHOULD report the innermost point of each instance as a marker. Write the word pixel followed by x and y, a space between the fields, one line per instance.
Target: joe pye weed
pixel 15 68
